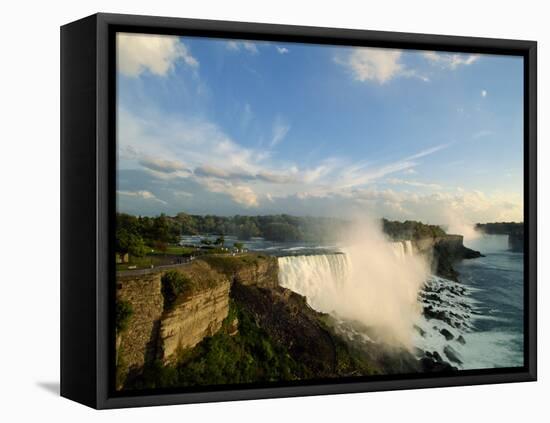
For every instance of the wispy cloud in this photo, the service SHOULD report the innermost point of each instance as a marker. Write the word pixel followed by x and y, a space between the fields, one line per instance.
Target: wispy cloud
pixel 157 54
pixel 162 165
pixel 222 166
pixel 282 50
pixel 417 184
pixel 427 151
pixel 482 133
pixel 450 60
pixel 280 129
pixel 248 46
pixel 145 195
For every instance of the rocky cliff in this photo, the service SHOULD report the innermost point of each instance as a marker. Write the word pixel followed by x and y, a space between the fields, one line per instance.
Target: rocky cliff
pixel 196 313
pixel 443 251
pixel 137 343
pixel 158 330
pixel 251 269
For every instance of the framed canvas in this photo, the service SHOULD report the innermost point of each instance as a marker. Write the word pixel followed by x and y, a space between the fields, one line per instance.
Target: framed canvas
pixel 256 211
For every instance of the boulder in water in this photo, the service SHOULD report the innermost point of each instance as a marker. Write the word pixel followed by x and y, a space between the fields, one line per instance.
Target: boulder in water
pixel 421 331
pixel 452 355
pixel 447 334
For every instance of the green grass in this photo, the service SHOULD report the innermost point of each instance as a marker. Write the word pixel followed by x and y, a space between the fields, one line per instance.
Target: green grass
pixel 229 265
pixel 174 250
pixel 160 258
pixel 142 262
pixel 174 284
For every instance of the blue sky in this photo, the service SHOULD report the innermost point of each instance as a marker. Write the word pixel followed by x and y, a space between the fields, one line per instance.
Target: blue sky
pixel 225 127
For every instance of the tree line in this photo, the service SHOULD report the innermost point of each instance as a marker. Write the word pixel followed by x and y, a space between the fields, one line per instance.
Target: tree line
pixel 135 234
pixel 501 228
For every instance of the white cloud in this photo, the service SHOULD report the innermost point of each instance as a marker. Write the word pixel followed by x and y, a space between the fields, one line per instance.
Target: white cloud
pixel 143 194
pixel 442 207
pixel 162 165
pixel 212 154
pixel 417 184
pixel 207 170
pixel 232 45
pixel 241 194
pixel 280 129
pixel 483 93
pixel 245 45
pixel 378 65
pixel 276 178
pixel 282 50
pixel 374 64
pixel 196 141
pixel 450 60
pixel 210 171
pixel 157 54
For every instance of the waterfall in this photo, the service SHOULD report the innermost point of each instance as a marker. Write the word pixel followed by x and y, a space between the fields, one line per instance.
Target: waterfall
pixel 375 282
pixel 317 277
pixel 402 248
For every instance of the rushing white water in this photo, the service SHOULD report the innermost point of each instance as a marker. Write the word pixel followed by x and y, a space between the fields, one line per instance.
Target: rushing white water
pixel 402 248
pixel 374 283
pixel 320 278
pixel 472 324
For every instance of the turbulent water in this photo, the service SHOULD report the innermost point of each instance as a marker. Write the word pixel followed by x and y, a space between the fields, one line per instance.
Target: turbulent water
pixel 473 324
pixel 320 278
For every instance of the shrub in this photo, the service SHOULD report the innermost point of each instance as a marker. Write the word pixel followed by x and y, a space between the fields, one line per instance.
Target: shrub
pixel 174 283
pixel 123 313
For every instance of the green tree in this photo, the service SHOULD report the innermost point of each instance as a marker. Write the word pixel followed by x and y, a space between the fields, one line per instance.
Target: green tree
pixel 129 242
pixel 220 241
pixel 173 284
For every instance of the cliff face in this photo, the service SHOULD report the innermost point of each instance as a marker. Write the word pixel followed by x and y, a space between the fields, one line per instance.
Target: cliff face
pixel 157 330
pixel 443 251
pixel 248 270
pixel 194 315
pixel 137 343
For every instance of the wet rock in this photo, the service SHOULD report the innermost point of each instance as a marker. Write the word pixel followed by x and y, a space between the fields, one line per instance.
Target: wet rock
pixel 452 355
pixel 461 340
pixel 447 334
pixel 421 331
pixel 428 364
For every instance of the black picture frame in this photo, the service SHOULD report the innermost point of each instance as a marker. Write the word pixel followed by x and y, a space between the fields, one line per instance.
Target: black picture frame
pixel 88 204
